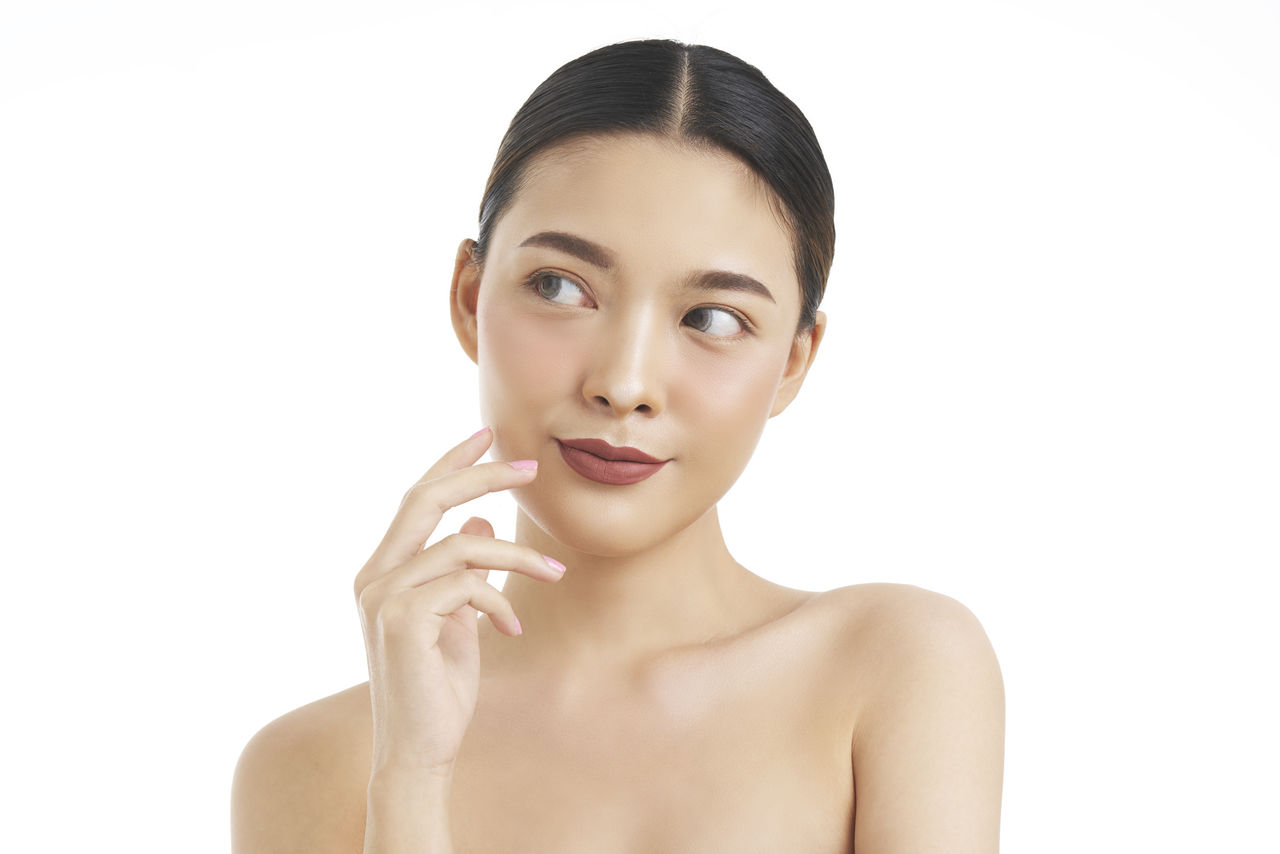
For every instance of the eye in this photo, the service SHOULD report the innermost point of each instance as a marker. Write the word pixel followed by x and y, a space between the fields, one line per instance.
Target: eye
pixel 556 289
pixel 720 322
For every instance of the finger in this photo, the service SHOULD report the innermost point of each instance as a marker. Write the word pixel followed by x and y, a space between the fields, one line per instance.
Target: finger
pixel 426 504
pixel 459 456
pixel 478 526
pixel 434 602
pixel 464 551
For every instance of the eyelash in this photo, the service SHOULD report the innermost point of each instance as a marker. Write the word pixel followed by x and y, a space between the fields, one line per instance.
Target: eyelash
pixel 537 276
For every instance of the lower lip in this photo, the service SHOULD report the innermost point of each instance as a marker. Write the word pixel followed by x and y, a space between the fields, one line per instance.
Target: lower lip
pixel 613 472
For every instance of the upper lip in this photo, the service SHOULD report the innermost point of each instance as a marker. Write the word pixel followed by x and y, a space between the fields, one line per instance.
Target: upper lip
pixel 602 449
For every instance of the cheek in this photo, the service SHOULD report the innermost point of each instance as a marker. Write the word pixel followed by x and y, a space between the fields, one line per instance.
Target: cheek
pixel 521 361
pixel 730 387
pixel 729 399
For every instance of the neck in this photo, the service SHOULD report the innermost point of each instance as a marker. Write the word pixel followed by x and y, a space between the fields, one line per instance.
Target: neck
pixel 608 614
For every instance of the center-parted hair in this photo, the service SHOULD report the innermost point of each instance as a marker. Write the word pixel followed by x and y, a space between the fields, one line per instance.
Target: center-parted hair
pixel 690 93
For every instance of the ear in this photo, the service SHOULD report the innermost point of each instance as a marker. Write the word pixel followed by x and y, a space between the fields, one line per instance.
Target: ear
pixel 463 294
pixel 804 348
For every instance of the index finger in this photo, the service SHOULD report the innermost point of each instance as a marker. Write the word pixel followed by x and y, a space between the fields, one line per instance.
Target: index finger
pixel 460 456
pixel 454 480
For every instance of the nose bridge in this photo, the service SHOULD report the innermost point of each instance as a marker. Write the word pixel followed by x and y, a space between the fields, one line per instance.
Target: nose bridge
pixel 628 368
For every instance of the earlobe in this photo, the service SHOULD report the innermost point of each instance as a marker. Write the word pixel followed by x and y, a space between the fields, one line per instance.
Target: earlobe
pixel 804 348
pixel 463 296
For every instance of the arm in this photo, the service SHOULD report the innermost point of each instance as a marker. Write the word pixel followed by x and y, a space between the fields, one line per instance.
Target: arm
pixel 303 784
pixel 928 741
pixel 408 814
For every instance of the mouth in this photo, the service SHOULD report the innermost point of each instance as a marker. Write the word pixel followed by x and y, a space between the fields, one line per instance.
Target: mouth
pixel 597 460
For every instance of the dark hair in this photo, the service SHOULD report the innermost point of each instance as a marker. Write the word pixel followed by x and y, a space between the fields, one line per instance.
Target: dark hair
pixel 695 94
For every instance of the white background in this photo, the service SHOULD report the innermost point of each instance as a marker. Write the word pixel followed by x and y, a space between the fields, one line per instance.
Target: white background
pixel 1049 387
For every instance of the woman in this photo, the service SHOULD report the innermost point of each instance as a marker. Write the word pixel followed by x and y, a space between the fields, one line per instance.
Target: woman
pixel 642 297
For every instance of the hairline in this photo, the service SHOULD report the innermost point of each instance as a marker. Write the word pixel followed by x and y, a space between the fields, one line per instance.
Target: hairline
pixel 566 146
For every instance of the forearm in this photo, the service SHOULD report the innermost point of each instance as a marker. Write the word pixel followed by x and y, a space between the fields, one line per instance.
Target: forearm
pixel 407 814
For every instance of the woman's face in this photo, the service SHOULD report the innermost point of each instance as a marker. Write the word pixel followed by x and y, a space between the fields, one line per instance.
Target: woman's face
pixel 640 292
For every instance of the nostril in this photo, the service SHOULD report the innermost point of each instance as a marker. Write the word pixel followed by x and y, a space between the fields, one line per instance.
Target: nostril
pixel 639 407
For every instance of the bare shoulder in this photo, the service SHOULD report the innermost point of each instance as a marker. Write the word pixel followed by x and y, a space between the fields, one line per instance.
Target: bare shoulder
pixel 927 702
pixel 891 638
pixel 904 616
pixel 301 780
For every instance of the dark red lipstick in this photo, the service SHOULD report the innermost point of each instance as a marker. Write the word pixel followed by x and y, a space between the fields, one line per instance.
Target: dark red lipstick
pixel 596 459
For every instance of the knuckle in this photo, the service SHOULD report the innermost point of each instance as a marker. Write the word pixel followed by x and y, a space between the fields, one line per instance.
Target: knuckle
pixel 463 581
pixel 423 490
pixel 460 546
pixel 392 619
pixel 413 491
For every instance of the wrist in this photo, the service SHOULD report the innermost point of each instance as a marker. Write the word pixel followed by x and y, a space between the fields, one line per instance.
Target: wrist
pixel 407 812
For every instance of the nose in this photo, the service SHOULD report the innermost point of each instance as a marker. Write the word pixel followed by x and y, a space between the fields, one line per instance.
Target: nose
pixel 628 365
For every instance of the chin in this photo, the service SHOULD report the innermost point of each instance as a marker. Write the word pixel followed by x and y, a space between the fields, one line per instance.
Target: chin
pixel 628 522
pixel 594 539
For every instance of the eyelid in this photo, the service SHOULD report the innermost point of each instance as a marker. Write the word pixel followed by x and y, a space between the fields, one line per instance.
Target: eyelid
pixel 748 328
pixel 531 282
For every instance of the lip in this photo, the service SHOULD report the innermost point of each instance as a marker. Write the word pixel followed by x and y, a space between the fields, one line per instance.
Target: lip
pixel 605 451
pixel 596 459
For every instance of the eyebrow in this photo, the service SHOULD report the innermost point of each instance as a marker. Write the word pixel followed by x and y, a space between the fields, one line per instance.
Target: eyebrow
pixel 723 280
pixel 597 256
pixel 578 247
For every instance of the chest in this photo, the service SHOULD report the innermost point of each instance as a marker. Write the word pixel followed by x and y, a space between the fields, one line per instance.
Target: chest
pixel 722 755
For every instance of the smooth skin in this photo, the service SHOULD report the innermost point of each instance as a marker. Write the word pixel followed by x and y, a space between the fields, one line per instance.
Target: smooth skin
pixel 418 609
pixel 661 697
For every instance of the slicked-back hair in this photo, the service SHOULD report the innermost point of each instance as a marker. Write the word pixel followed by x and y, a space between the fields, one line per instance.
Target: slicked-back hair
pixel 689 93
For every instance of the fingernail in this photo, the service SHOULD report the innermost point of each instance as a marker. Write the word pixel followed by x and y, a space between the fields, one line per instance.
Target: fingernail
pixel 519 628
pixel 479 432
pixel 555 564
pixel 524 465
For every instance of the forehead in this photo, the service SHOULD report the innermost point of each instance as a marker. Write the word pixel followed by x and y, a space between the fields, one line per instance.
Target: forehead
pixel 661 206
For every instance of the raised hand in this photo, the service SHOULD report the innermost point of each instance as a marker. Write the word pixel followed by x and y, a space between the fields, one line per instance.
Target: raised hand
pixel 418 610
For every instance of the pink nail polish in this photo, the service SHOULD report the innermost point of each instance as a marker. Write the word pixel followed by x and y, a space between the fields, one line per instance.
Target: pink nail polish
pixel 524 465
pixel 479 432
pixel 555 564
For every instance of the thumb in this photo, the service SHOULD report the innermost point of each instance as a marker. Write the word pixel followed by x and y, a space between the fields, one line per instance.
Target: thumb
pixel 478 526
